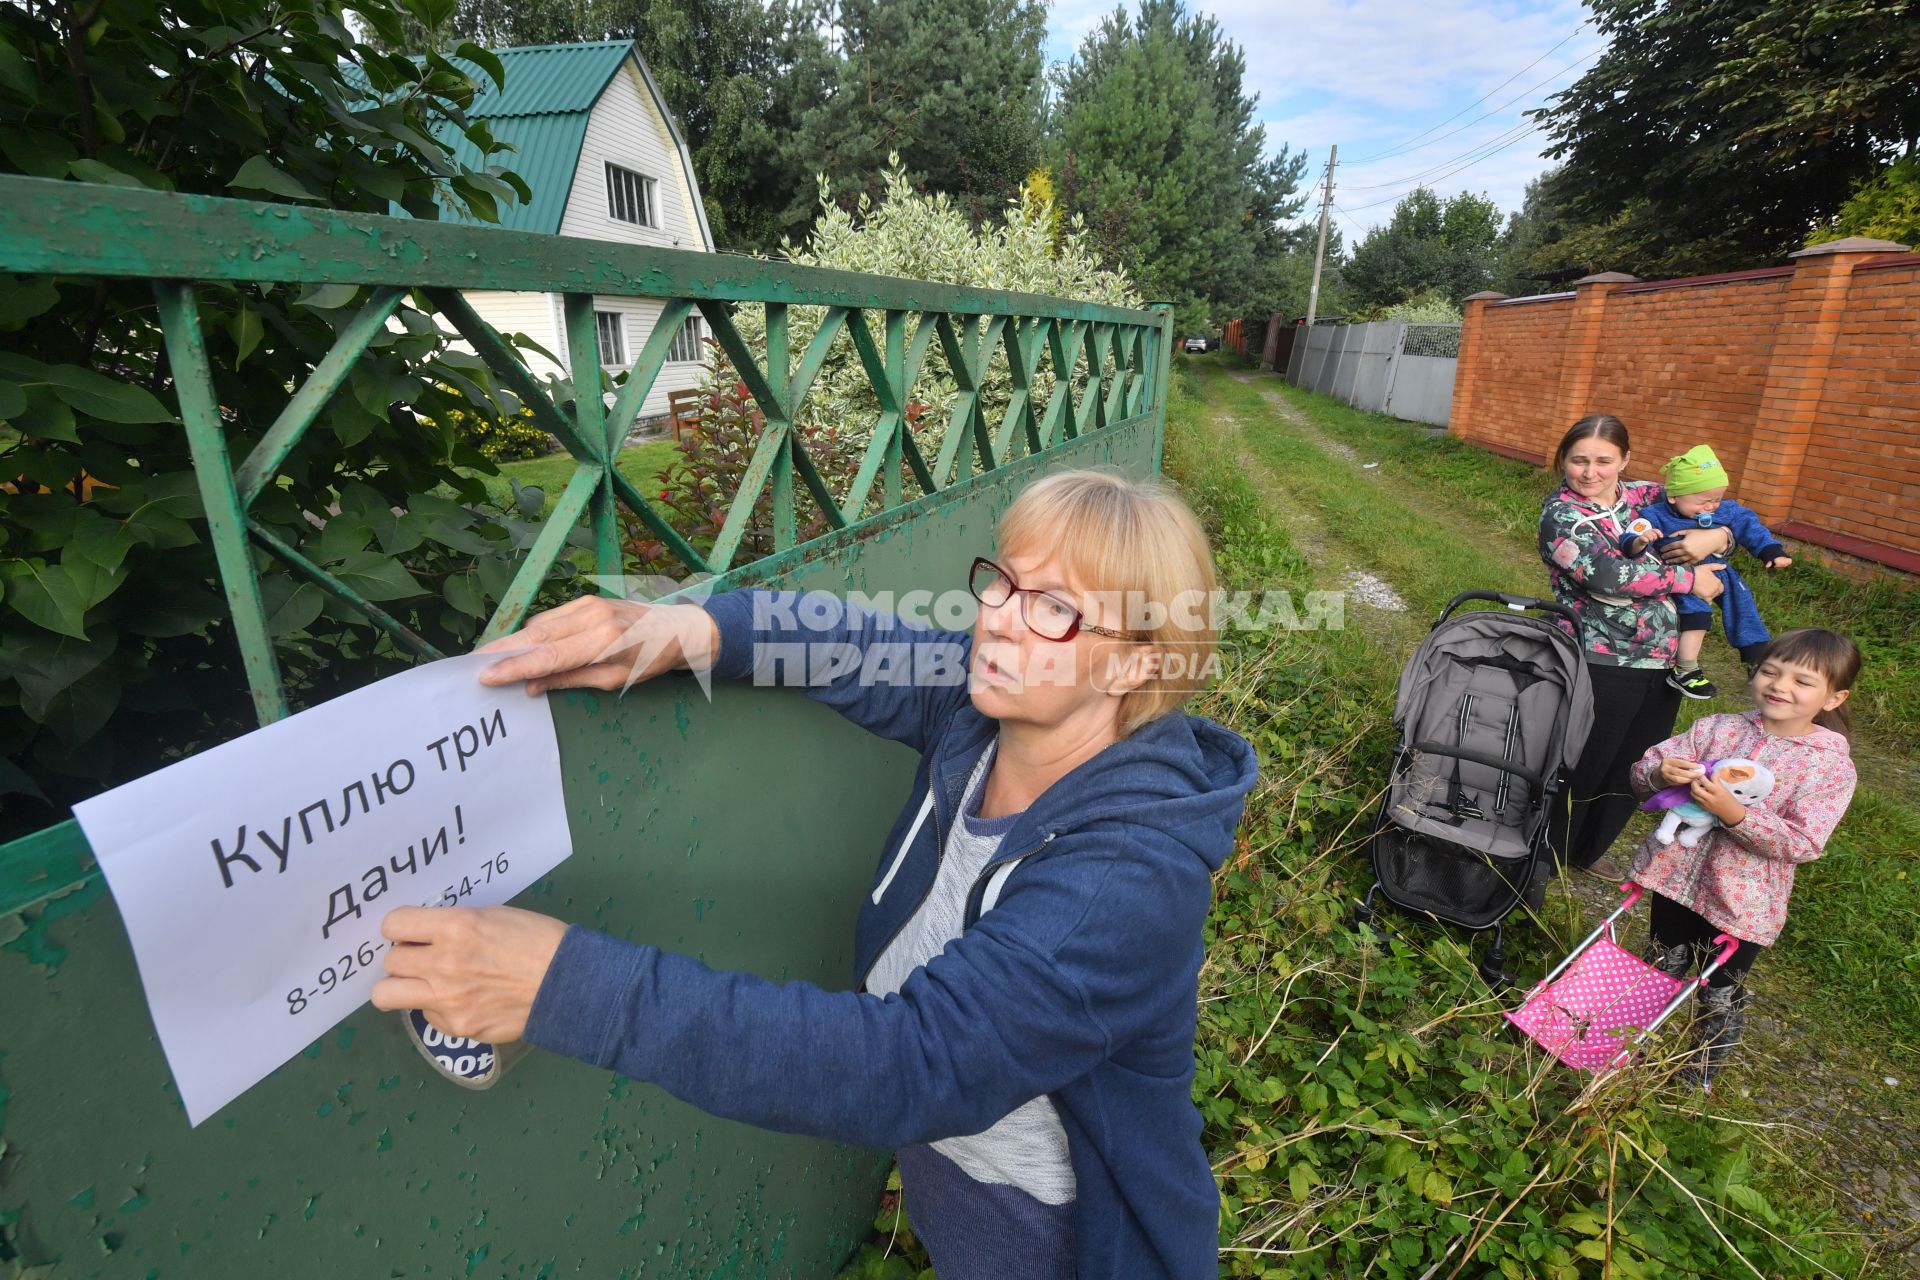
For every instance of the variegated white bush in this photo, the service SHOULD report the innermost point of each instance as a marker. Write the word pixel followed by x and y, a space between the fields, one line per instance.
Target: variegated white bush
pixel 923 236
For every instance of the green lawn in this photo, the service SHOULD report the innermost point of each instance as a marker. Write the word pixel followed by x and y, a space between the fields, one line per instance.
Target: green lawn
pixel 641 463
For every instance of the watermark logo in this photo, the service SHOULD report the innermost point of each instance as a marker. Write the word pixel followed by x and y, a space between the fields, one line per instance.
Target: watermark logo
pixel 922 638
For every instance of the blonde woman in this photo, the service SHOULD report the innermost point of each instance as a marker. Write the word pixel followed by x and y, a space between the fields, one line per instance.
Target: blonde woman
pixel 1022 1022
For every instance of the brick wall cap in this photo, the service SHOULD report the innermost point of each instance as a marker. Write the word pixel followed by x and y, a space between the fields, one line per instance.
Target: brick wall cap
pixel 1485 295
pixel 1851 244
pixel 1607 277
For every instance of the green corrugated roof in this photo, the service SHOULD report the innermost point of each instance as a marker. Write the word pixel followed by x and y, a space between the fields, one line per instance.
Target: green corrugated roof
pixel 549 152
pixel 547 79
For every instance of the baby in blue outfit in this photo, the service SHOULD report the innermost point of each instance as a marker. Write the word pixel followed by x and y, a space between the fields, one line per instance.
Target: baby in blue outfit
pixel 1696 486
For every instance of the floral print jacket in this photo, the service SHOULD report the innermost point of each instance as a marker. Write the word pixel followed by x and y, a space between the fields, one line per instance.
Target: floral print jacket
pixel 1741 877
pixel 1626 616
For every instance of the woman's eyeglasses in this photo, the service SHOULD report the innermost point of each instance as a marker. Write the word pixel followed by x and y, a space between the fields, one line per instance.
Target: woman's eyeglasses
pixel 1047 615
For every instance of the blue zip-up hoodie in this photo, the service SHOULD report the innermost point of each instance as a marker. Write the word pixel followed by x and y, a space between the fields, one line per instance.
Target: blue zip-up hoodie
pixel 1080 982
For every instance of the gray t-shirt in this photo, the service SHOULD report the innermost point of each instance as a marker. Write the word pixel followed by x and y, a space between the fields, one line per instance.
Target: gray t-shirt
pixel 997 1203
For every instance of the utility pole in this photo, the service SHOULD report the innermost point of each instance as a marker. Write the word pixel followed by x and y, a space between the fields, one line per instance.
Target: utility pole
pixel 1326 207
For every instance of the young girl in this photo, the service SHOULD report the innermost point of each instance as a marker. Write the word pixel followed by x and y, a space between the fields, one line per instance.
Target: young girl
pixel 1737 879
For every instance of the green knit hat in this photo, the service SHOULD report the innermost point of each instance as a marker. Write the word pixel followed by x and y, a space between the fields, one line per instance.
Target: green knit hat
pixel 1695 471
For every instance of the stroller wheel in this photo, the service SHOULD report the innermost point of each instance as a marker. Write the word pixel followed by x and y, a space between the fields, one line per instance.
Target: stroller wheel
pixel 1493 966
pixel 1363 918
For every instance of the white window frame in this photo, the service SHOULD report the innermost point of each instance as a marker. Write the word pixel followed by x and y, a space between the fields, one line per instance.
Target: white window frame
pixel 688 345
pixel 624 187
pixel 619 334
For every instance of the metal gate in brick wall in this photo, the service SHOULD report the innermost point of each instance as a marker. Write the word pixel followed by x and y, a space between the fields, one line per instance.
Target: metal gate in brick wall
pixel 1389 366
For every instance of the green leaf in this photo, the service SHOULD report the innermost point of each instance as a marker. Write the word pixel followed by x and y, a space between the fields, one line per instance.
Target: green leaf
pixel 344 535
pixel 246 330
pixel 529 499
pixel 260 174
pixel 15 781
pixel 463 593
pixel 327 297
pixel 484 59
pixel 99 396
pixel 1301 1180
pixel 47 417
pixel 479 201
pixel 99 540
pixel 44 666
pixel 377 578
pixel 100 171
pixel 291 605
pixel 39 152
pixel 83 708
pixel 15 74
pixel 1437 1187
pixel 157 509
pixel 24 297
pixel 183 611
pixel 13 401
pixel 47 596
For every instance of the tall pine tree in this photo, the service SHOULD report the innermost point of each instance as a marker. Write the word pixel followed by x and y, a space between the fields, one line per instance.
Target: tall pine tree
pixel 953 86
pixel 1154 140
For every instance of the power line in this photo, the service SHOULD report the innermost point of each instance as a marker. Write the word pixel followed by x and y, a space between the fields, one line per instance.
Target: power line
pixel 1530 130
pixel 1376 186
pixel 1506 135
pixel 1408 144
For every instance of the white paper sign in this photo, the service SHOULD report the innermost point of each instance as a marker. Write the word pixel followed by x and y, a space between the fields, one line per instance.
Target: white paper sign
pixel 253 877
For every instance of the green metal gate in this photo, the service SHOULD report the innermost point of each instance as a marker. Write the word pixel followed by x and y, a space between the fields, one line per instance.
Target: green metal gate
pixel 742 830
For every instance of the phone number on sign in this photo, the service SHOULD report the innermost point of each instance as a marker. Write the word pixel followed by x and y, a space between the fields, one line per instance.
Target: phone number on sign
pixel 364 955
pixel 335 974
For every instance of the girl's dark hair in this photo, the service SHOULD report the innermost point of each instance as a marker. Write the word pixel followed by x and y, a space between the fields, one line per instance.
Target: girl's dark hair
pixel 1604 425
pixel 1831 654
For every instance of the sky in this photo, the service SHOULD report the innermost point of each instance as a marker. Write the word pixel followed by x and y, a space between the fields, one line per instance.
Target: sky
pixel 1411 91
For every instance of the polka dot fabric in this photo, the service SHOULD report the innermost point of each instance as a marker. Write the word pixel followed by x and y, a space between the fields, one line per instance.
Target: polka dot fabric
pixel 1592 1012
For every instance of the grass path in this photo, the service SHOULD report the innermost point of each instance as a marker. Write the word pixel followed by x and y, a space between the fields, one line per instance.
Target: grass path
pixel 1827 1084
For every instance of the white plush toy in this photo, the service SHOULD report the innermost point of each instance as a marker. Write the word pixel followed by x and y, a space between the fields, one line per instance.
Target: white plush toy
pixel 1746 780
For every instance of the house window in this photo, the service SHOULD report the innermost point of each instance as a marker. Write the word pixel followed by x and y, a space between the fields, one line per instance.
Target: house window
pixel 613 337
pixel 630 197
pixel 686 343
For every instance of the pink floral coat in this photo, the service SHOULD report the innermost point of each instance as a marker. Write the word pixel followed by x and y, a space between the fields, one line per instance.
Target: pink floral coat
pixel 1741 877
pixel 1624 605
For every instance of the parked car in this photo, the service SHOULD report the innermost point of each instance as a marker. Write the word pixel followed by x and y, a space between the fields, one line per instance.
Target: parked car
pixel 1196 345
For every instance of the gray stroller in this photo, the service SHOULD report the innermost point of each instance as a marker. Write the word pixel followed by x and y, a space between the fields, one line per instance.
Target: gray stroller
pixel 1493 710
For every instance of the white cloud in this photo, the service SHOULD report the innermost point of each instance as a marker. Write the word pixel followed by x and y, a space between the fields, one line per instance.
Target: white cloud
pixel 1373 75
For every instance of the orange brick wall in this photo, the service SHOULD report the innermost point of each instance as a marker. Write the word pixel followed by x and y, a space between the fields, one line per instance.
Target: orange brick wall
pixel 1716 361
pixel 1862 472
pixel 1517 357
pixel 1688 366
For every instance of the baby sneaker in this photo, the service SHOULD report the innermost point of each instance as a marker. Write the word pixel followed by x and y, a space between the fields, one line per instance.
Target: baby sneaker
pixel 1693 684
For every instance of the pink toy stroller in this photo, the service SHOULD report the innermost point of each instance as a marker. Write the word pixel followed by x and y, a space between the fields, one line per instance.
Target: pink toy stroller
pixel 1593 1011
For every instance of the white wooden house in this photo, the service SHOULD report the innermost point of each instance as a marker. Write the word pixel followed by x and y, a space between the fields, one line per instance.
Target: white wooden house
pixel 605 161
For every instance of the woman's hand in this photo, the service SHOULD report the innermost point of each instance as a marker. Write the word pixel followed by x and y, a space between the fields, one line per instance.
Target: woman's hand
pixel 1678 770
pixel 1706 580
pixel 1718 801
pixel 474 971
pixel 597 643
pixel 1695 545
